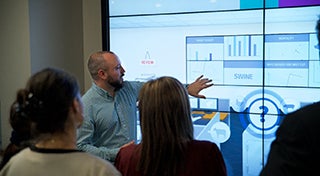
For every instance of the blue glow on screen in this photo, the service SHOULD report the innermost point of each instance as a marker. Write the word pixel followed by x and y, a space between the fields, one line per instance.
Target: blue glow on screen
pixel 264 63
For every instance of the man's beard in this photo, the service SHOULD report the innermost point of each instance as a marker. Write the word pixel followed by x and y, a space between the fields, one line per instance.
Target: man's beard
pixel 115 83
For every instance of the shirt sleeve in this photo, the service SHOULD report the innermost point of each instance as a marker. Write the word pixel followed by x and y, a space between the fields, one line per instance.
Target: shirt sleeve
pixel 84 143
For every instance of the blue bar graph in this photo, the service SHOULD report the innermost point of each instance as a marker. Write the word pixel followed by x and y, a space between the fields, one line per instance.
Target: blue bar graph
pixel 197 55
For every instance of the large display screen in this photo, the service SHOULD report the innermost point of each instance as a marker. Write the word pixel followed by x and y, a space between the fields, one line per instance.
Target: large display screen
pixel 262 56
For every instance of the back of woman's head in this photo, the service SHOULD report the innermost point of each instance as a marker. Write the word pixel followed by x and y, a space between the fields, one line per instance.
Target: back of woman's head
pixel 164 110
pixel 46 99
pixel 166 126
pixel 20 123
pixel 20 135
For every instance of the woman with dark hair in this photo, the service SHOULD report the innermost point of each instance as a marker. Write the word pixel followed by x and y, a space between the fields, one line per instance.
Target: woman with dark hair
pixel 20 135
pixel 51 103
pixel 167 146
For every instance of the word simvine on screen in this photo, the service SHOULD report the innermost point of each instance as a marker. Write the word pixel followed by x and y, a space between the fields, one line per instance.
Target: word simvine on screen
pixel 262 56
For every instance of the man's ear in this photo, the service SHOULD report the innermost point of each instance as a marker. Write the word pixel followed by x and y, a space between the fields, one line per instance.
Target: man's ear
pixel 102 74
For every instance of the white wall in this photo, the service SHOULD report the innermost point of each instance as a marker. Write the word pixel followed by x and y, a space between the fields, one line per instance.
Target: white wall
pixel 40 33
pixel 15 66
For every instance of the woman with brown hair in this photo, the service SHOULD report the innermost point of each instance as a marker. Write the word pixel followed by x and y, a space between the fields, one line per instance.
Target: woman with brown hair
pixel 168 146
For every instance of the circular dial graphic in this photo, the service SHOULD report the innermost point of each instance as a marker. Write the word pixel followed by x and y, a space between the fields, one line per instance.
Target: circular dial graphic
pixel 264 120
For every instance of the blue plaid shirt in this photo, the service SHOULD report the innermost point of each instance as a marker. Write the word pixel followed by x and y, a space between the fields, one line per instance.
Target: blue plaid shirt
pixel 108 122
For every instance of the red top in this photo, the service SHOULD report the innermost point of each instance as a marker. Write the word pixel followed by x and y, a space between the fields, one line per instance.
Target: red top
pixel 203 158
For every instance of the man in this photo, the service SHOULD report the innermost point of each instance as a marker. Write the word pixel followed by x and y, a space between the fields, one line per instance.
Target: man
pixel 110 106
pixel 295 151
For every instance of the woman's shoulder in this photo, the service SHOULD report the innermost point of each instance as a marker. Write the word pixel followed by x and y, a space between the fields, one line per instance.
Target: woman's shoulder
pixel 92 161
pixel 203 145
pixel 202 142
pixel 128 150
pixel 205 158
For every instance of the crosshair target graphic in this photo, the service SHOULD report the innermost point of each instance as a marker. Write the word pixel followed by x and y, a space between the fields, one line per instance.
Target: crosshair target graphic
pixel 261 113
pixel 264 120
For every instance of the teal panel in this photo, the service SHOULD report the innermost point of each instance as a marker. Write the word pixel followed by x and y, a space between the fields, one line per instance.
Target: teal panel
pixel 272 3
pixel 251 4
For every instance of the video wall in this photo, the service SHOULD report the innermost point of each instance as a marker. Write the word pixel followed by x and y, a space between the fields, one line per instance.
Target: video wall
pixel 262 56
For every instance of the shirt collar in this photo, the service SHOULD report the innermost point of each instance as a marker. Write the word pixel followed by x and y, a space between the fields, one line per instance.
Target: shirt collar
pixel 101 91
